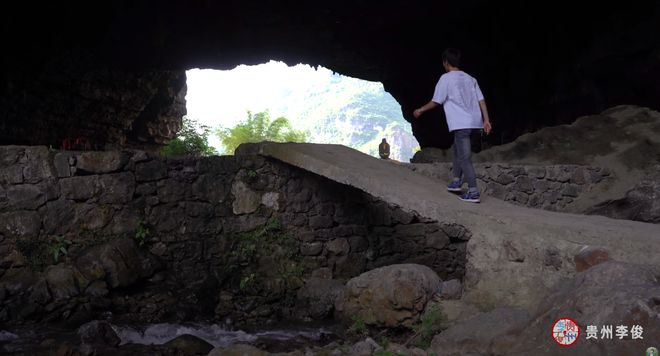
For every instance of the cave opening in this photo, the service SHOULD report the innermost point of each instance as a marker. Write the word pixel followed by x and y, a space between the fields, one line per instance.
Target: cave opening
pixel 323 105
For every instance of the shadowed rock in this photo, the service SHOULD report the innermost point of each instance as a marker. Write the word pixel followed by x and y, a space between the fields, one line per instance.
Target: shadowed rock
pixel 390 296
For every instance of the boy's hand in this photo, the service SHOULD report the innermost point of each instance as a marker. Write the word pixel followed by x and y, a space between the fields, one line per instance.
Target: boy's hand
pixel 417 113
pixel 487 127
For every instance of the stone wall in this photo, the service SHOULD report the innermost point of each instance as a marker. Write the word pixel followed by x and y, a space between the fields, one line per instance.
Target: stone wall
pixel 154 239
pixel 548 187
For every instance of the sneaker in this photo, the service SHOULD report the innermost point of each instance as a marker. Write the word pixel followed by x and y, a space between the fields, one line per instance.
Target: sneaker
pixel 454 186
pixel 472 197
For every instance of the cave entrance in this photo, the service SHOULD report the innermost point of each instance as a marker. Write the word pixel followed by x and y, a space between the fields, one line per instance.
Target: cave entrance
pixel 327 107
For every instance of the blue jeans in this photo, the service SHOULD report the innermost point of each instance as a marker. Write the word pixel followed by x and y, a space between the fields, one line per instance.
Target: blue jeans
pixel 462 152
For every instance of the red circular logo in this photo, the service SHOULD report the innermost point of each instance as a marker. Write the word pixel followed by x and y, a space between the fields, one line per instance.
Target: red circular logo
pixel 565 332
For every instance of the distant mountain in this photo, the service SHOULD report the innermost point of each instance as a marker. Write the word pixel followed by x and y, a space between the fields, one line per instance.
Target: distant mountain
pixel 351 112
pixel 331 107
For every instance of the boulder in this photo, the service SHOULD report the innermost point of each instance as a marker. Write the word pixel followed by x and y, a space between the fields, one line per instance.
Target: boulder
pixel 11 258
pixel 611 293
pixel 477 334
pixel 119 261
pixel 453 311
pixel 97 289
pixel 39 293
pixel 17 280
pixel 238 350
pixel 61 281
pixel 452 289
pixel 365 347
pixel 398 349
pixel 98 333
pixel 190 345
pixel 390 296
pixel 640 203
pixel 316 299
pixel 90 266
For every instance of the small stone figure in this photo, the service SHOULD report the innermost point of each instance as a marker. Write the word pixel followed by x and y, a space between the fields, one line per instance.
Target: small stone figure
pixel 384 149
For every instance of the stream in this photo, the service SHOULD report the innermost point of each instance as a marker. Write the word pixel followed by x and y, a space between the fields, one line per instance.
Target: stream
pixel 284 338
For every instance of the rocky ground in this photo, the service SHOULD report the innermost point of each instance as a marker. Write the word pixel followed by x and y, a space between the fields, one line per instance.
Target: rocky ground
pixel 431 320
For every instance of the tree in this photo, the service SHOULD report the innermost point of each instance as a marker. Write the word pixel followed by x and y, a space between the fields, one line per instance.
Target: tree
pixel 192 139
pixel 258 128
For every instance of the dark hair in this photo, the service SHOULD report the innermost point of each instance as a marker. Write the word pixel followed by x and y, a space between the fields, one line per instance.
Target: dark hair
pixel 452 56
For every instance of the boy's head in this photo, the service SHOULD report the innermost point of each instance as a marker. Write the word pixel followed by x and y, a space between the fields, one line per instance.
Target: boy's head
pixel 451 57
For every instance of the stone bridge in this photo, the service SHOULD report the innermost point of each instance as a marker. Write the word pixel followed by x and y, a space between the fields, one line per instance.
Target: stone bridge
pixel 515 254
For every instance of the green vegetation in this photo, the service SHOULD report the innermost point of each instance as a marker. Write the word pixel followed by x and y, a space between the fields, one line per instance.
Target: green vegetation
pixel 350 112
pixel 359 326
pixel 247 281
pixel 258 128
pixel 266 253
pixel 141 233
pixel 39 254
pixel 192 139
pixel 59 247
pixel 384 342
pixel 431 324
pixel 252 174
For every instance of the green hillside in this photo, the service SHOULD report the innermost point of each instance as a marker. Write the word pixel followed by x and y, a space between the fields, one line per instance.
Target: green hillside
pixel 351 112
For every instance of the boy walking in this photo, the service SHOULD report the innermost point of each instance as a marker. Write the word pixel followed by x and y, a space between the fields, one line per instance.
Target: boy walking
pixel 465 109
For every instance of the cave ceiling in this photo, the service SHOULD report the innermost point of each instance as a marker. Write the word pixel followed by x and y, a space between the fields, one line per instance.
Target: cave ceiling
pixel 538 63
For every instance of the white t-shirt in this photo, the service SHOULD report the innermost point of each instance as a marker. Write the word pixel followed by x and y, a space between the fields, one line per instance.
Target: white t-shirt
pixel 459 95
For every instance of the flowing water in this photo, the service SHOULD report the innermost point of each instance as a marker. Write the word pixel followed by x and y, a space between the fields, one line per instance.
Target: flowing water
pixel 276 339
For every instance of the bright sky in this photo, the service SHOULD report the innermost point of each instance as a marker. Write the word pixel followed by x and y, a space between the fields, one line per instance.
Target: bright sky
pixel 222 98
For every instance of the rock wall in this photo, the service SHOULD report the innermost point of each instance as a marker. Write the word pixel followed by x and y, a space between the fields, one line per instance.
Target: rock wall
pixel 69 102
pixel 554 187
pixel 153 239
pixel 640 203
pixel 596 57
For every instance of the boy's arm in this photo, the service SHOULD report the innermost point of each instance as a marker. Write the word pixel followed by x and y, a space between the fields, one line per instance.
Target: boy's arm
pixel 484 112
pixel 428 106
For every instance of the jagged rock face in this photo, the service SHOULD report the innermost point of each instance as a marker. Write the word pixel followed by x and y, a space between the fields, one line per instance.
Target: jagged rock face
pixel 535 70
pixel 74 104
pixel 611 293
